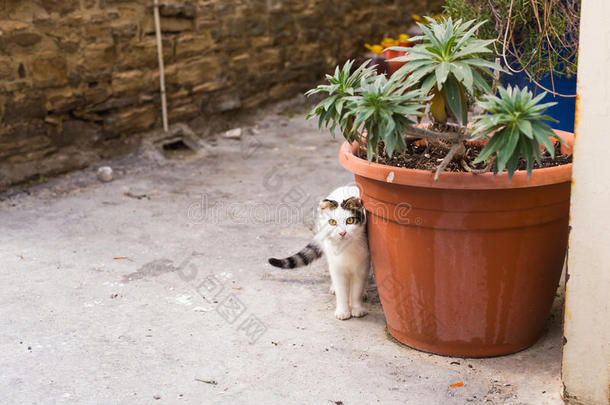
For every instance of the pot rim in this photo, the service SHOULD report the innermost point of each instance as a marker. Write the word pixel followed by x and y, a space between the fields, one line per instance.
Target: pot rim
pixel 454 180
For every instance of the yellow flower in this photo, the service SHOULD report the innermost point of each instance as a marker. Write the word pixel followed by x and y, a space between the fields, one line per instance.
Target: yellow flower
pixel 416 17
pixel 388 42
pixel 376 49
pixel 403 38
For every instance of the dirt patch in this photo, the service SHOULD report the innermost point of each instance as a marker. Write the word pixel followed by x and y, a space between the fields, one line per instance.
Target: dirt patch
pixel 418 155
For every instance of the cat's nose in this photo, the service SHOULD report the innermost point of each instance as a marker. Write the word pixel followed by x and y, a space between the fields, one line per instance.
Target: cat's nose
pixel 342 234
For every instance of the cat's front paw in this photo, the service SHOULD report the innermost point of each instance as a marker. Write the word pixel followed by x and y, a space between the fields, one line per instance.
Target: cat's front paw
pixel 358 312
pixel 342 315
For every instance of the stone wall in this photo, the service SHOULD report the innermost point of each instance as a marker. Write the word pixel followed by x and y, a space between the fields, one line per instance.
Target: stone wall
pixel 79 78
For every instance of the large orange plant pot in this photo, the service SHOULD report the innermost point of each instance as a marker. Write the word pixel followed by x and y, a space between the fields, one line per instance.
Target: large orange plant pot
pixel 468 265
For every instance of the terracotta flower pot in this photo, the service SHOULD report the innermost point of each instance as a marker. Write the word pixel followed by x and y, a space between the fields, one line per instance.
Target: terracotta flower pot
pixel 469 265
pixel 389 55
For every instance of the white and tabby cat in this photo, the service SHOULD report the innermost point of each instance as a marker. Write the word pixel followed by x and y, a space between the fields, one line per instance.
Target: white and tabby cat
pixel 341 236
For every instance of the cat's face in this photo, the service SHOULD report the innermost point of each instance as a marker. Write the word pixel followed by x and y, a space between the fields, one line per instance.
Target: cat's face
pixel 345 220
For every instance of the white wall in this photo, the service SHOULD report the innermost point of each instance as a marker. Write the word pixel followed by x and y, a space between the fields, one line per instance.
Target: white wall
pixel 586 356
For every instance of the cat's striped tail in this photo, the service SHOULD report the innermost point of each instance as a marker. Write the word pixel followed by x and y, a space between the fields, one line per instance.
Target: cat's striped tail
pixel 305 256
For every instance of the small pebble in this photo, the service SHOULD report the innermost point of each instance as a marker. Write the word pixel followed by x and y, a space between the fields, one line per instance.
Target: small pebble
pixel 105 174
pixel 156 396
pixel 233 133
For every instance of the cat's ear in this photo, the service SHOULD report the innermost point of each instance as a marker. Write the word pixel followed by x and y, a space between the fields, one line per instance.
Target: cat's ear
pixel 352 203
pixel 328 204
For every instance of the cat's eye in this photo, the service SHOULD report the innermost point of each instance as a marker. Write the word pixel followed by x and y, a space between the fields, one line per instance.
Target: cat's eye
pixel 332 222
pixel 350 220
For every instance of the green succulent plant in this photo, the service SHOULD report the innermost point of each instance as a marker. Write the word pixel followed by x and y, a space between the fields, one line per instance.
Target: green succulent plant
pixel 446 73
pixel 331 111
pixel 381 107
pixel 449 66
pixel 515 129
pixel 363 100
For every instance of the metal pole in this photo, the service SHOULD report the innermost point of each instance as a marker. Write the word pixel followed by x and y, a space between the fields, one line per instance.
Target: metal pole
pixel 161 65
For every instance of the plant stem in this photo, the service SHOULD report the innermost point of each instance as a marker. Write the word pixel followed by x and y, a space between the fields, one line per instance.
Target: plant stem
pixel 454 149
pixel 415 132
pixel 485 169
pixel 494 85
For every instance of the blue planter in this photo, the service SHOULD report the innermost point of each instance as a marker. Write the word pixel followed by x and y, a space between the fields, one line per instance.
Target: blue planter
pixel 566 107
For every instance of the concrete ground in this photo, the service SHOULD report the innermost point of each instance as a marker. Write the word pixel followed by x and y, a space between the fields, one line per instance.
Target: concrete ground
pixel 155 288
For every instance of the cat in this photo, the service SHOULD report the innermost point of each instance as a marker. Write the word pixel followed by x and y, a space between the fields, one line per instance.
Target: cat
pixel 341 236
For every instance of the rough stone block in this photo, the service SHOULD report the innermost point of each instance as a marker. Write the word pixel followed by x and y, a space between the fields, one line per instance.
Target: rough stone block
pixel 97 28
pixel 137 119
pixel 124 32
pixel 98 57
pixel 182 112
pixel 198 71
pixel 63 100
pixel 25 107
pixel 25 39
pixel 23 136
pixel 240 60
pixel 261 42
pixel 234 27
pixel 181 10
pixel 182 94
pixel 96 95
pixel 114 103
pixel 129 82
pixel 8 27
pixel 78 132
pixel 8 68
pixel 18 32
pixel 60 6
pixel 49 69
pixel 210 86
pixel 192 45
pixel 268 59
pixel 144 54
pixel 168 25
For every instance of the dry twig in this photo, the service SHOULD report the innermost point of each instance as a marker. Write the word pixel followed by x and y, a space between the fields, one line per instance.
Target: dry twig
pixel 454 149
pixel 485 169
pixel 212 382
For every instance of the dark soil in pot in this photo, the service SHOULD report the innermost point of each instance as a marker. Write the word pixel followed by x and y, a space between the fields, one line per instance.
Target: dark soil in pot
pixel 427 157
